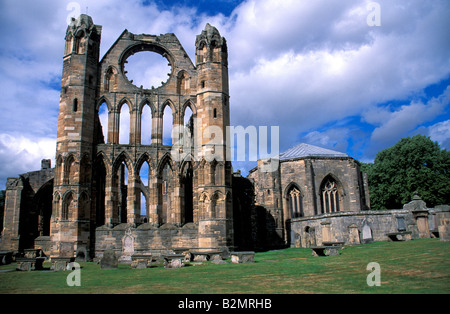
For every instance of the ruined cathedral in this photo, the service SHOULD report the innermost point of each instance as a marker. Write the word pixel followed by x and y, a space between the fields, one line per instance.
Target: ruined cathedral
pixel 91 200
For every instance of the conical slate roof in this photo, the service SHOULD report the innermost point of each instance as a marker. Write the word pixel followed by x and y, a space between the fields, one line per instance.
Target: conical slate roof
pixel 307 150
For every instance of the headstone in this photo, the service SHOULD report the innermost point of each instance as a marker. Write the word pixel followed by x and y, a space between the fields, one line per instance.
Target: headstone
pixel 326 232
pixel 432 222
pixel 174 261
pixel 443 221
pixel 444 229
pixel 66 249
pixel 366 234
pixel 242 257
pixel 312 236
pixel 109 260
pixel 81 254
pixel 401 226
pixel 422 224
pixel 141 261
pixel 127 247
pixel 353 235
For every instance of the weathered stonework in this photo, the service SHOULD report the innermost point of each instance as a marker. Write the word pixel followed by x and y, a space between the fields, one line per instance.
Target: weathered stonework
pixel 90 203
pixel 188 193
pixel 319 196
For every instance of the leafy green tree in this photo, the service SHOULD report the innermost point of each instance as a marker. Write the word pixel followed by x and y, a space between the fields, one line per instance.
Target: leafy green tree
pixel 413 164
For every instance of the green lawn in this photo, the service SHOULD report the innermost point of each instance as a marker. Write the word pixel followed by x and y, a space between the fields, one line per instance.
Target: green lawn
pixel 418 266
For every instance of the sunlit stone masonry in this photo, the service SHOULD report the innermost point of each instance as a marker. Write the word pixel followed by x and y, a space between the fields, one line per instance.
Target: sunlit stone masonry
pixel 141 195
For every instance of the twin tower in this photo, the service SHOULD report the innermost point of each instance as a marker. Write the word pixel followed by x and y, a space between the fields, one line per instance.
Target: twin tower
pixel 100 193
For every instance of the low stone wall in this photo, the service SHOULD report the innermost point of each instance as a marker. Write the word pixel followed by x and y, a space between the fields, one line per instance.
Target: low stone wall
pixel 351 228
pixel 126 240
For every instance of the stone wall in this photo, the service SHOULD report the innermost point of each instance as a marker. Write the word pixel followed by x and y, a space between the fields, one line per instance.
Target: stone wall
pixel 145 238
pixel 342 227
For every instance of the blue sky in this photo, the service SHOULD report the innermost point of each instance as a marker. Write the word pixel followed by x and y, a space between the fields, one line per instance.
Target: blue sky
pixel 316 69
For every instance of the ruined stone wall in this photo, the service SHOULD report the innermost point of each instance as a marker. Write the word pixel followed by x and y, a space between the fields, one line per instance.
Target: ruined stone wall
pixel 146 238
pixel 338 227
pixel 308 175
pixel 90 187
pixel 27 207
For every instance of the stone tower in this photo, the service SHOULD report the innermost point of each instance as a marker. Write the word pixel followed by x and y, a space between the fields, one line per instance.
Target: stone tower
pixel 99 185
pixel 75 136
pixel 214 115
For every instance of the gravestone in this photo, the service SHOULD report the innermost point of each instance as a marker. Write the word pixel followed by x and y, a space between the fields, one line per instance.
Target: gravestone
pixel 401 226
pixel 443 219
pixel 109 260
pixel 243 257
pixel 353 235
pixel 127 247
pixel 366 234
pixel 312 236
pixel 444 229
pixel 326 231
pixel 174 261
pixel 66 249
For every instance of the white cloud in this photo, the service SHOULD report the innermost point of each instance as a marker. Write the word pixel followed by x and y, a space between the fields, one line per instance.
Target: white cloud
pixel 407 118
pixel 21 154
pixel 333 139
pixel 296 64
pixel 440 132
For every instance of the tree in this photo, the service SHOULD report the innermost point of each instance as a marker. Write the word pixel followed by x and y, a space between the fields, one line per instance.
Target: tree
pixel 412 165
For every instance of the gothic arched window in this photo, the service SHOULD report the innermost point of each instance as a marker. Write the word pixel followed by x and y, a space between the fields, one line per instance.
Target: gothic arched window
pixel 295 202
pixel 330 196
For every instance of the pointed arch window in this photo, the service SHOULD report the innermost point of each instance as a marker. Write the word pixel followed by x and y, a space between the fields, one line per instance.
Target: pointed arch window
pixel 295 203
pixel 330 196
pixel 66 208
pixel 167 125
pixel 124 124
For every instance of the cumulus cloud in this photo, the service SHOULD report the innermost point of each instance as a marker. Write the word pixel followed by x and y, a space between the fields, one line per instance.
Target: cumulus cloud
pixel 300 65
pixel 20 154
pixel 440 132
pixel 401 122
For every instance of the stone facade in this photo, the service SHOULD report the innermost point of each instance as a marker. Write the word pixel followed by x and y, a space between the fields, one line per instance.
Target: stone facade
pixel 189 182
pixel 317 196
pixel 28 209
pixel 90 203
pixel 309 181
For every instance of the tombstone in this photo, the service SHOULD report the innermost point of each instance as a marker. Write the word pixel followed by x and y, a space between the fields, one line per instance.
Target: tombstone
pixel 297 240
pixel 401 226
pixel 174 261
pixel 443 219
pixel 444 229
pixel 81 254
pixel 353 235
pixel 127 247
pixel 66 249
pixel 433 225
pixel 419 211
pixel 326 231
pixel 366 234
pixel 422 224
pixel 109 260
pixel 242 257
pixel 312 236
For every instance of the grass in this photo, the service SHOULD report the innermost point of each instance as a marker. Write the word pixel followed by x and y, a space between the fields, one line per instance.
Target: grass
pixel 418 266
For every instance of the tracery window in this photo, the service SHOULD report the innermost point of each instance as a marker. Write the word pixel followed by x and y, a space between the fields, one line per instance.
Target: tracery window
pixel 330 197
pixel 295 203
